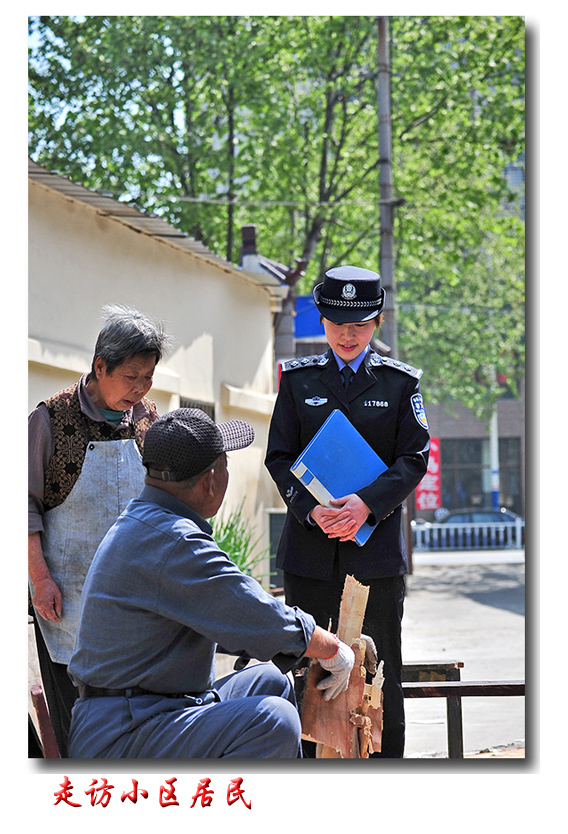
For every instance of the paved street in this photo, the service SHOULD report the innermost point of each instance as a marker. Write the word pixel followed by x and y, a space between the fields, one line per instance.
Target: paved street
pixel 468 607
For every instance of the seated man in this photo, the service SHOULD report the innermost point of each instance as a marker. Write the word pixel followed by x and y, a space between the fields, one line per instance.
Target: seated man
pixel 159 598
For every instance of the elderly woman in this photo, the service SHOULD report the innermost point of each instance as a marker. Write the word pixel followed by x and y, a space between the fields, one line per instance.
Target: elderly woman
pixel 85 465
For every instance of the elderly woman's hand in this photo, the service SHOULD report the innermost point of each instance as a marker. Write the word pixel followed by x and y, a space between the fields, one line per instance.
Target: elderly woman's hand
pixel 47 599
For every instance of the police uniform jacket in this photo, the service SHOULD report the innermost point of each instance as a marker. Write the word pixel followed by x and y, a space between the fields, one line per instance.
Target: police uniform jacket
pixel 384 404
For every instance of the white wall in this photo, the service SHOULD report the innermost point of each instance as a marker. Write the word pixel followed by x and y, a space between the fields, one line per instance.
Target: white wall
pixel 221 320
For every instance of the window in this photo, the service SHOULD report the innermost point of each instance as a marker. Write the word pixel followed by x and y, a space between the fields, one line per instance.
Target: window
pixel 466 473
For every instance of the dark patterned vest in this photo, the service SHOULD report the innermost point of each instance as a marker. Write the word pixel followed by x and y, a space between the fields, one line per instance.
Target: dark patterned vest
pixel 72 431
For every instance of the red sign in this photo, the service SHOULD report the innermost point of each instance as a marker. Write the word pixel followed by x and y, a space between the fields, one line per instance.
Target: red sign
pixel 428 493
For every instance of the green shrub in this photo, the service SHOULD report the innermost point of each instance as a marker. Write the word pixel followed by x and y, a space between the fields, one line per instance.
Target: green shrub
pixel 236 538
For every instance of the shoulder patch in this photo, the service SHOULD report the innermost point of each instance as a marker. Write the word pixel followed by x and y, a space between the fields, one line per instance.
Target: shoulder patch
pixel 401 366
pixel 305 362
pixel 419 412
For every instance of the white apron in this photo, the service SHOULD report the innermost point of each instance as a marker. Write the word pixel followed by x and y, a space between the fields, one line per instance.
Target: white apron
pixel 112 474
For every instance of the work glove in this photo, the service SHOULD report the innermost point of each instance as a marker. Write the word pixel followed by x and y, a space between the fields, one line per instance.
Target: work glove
pixel 371 657
pixel 339 666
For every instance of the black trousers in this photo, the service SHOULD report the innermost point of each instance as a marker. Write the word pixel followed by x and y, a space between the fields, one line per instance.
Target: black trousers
pixel 383 622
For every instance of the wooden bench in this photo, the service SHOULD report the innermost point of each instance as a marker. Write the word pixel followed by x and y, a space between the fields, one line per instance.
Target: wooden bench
pixel 436 670
pixel 453 691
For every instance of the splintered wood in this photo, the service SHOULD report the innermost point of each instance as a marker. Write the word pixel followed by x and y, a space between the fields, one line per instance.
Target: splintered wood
pixel 350 725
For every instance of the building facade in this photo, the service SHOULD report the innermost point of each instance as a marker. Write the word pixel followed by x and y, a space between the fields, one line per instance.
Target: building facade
pixel 87 250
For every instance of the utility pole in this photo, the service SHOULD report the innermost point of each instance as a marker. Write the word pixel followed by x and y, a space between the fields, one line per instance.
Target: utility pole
pixel 494 452
pixel 386 255
pixel 494 455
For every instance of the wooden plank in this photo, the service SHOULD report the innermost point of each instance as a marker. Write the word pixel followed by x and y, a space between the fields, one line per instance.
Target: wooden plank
pixel 433 670
pixel 350 725
pixel 436 665
pixel 447 689
pixel 352 610
pixel 327 722
pixel 371 741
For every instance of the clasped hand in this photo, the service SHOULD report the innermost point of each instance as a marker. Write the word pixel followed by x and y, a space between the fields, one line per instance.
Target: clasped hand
pixel 343 519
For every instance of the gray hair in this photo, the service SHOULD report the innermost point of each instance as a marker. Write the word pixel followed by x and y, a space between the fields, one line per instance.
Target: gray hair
pixel 128 333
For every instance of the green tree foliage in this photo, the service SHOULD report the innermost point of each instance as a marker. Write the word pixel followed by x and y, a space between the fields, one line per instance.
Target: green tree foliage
pixel 217 122
pixel 146 108
pixel 458 128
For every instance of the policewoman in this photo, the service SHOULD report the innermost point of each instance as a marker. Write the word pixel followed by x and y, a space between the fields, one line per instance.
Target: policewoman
pixel 381 397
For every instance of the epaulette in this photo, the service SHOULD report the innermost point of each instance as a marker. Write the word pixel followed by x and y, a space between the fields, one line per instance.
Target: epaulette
pixel 397 364
pixel 305 362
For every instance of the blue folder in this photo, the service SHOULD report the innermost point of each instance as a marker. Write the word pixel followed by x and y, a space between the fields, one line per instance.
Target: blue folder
pixel 336 462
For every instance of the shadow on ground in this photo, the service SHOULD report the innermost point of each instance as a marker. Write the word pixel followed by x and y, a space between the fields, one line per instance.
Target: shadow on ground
pixel 499 586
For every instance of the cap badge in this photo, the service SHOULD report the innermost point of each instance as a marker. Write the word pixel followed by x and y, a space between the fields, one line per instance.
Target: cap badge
pixel 348 292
